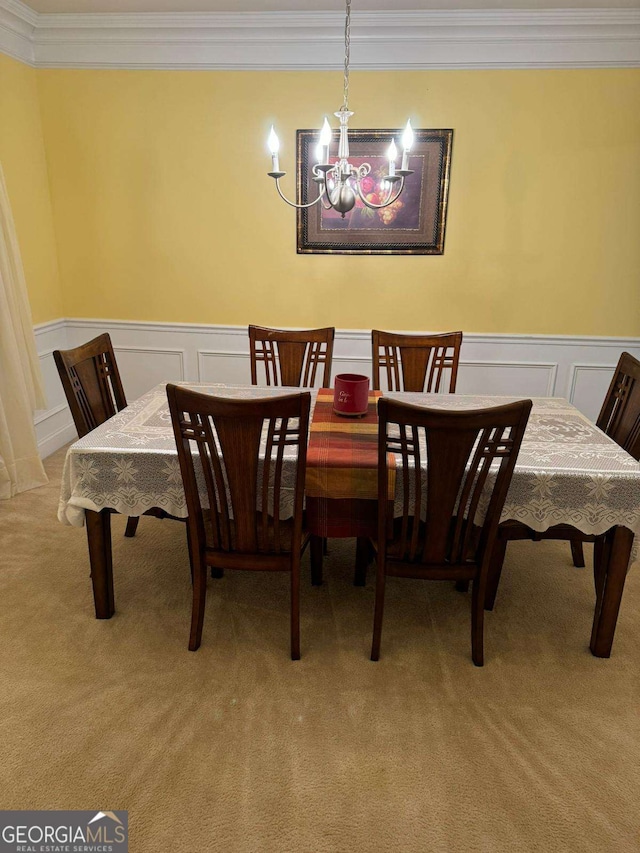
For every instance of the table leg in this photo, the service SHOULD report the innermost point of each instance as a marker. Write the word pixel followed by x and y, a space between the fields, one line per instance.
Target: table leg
pixel 99 541
pixel 601 549
pixel 316 547
pixel 577 553
pixel 132 526
pixel 613 572
pixel 364 557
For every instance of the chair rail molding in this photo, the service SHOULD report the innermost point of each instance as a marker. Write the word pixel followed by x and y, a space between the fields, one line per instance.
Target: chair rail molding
pixel 576 367
pixel 422 39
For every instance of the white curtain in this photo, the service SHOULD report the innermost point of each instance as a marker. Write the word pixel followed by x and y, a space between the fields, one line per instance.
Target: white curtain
pixel 21 391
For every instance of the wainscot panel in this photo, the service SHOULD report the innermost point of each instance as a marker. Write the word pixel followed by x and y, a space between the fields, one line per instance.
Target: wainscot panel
pixel 524 365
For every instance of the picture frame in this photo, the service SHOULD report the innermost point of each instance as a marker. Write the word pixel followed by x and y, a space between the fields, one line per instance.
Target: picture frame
pixel 413 225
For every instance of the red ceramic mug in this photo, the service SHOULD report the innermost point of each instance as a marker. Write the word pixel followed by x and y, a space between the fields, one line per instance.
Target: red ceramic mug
pixel 351 394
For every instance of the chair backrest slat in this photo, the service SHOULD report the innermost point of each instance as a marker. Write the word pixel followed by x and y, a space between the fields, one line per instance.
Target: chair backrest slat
pixel 292 358
pixel 216 482
pixel 452 505
pixel 91 382
pixel 415 362
pixel 240 452
pixel 620 413
pixel 447 461
pixel 244 484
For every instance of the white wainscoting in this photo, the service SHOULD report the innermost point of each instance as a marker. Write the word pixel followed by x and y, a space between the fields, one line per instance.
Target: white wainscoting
pixel 54 425
pixel 578 368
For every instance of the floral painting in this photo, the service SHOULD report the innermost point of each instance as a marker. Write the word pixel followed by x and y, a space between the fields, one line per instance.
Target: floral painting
pixel 413 224
pixel 403 213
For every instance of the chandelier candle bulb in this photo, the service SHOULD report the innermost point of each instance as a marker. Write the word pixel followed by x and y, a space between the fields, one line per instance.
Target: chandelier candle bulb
pixel 407 142
pixel 274 146
pixel 340 184
pixel 392 154
pixel 325 141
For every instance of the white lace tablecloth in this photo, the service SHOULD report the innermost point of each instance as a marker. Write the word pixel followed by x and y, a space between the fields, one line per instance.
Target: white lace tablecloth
pixel 130 462
pixel 568 471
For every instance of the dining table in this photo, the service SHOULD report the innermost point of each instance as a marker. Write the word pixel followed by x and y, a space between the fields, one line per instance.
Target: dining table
pixel 568 473
pixel 569 476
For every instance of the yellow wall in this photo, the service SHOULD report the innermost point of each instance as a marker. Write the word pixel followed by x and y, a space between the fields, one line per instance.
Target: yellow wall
pixel 163 210
pixel 22 156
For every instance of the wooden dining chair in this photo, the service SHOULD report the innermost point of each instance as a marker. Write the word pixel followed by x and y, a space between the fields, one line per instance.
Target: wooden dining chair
pixel 409 363
pixel 237 449
pixel 415 362
pixel 292 357
pixel 451 500
pixel 93 388
pixel 619 418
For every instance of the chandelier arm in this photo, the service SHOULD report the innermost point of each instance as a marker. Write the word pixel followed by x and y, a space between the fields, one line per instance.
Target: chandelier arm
pixel 389 201
pixel 292 203
pixel 342 195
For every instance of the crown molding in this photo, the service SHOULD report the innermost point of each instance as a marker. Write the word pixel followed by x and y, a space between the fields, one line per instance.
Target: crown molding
pixel 403 40
pixel 17 26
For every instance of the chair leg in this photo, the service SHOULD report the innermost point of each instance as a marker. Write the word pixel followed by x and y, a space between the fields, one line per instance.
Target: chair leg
pixel 132 526
pixel 478 594
pixel 577 553
pixel 295 610
pixel 192 559
pixel 199 599
pixel 379 609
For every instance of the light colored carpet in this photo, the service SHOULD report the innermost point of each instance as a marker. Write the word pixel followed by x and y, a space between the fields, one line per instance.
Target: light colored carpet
pixel 237 748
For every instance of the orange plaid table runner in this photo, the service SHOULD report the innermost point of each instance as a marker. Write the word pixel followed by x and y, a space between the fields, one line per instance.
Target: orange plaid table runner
pixel 342 470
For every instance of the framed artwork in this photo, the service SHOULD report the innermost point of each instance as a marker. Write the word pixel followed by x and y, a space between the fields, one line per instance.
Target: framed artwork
pixel 413 225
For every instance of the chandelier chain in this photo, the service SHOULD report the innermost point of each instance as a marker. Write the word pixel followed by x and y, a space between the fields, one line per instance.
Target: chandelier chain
pixel 340 183
pixel 347 45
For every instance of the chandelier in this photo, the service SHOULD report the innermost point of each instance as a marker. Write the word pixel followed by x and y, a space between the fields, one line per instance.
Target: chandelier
pixel 339 183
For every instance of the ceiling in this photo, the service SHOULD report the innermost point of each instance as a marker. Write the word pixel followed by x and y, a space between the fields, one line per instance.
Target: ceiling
pixel 120 6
